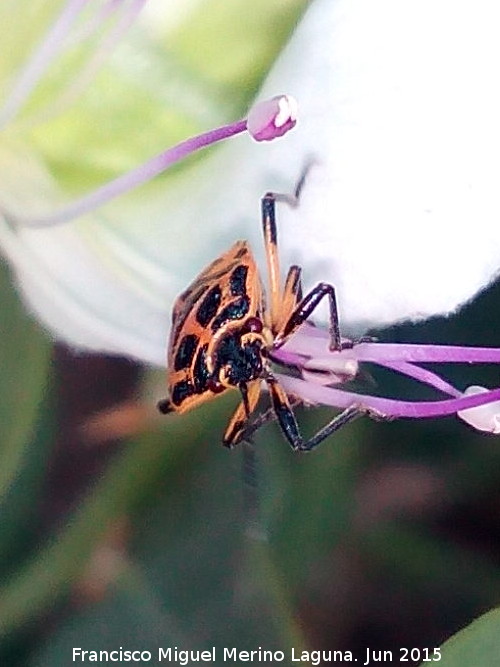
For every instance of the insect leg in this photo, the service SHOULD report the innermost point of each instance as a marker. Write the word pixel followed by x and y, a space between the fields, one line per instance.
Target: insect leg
pixel 284 413
pixel 307 306
pixel 282 410
pixel 348 415
pixel 293 200
pixel 262 419
pixel 293 283
pixel 240 417
pixel 268 205
pixel 243 387
pixel 292 295
pixel 288 423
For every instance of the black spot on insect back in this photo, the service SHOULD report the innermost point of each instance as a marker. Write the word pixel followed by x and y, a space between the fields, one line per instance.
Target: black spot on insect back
pixel 234 311
pixel 185 353
pixel 238 280
pixel 209 306
pixel 201 375
pixel 181 391
pixel 180 315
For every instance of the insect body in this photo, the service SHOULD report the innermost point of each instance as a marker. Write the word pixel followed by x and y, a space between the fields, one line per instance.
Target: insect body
pixel 223 335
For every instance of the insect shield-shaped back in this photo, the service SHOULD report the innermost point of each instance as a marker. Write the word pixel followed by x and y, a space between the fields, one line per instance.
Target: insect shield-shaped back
pixel 214 343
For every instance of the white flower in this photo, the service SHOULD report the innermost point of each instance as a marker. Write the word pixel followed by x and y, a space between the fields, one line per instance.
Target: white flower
pixel 399 119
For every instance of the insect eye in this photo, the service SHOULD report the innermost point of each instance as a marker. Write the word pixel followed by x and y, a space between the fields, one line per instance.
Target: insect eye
pixel 252 325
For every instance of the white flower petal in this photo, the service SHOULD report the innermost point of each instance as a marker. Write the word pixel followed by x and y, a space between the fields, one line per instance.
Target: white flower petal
pixel 87 287
pixel 398 108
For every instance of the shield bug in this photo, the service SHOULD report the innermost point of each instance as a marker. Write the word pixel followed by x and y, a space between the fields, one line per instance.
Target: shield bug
pixel 223 335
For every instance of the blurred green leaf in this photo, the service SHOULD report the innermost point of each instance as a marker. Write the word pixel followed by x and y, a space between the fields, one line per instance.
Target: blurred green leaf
pixel 21 504
pixel 24 360
pixel 477 644
pixel 131 477
pixel 202 578
pixel 132 617
pixel 423 561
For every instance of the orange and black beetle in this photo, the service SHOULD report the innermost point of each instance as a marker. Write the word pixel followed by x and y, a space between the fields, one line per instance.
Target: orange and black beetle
pixel 223 335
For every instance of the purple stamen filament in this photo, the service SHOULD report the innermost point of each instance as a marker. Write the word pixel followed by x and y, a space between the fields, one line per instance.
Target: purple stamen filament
pixel 136 177
pixel 387 407
pixel 51 46
pixel 310 345
pixel 266 121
